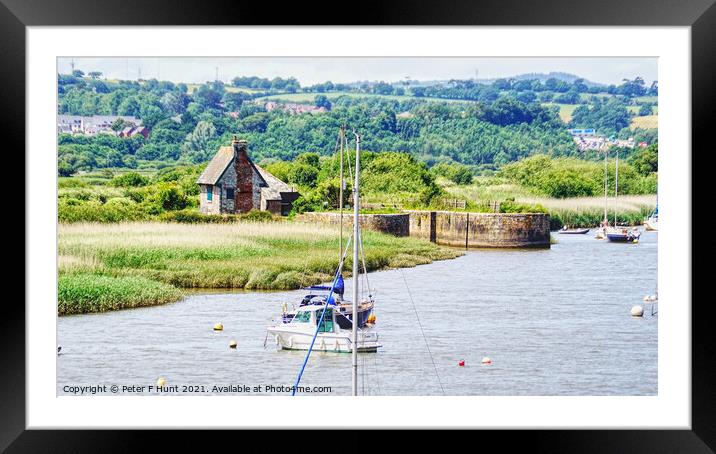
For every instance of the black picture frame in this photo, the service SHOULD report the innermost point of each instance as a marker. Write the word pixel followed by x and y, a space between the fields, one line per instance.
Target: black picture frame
pixel 16 15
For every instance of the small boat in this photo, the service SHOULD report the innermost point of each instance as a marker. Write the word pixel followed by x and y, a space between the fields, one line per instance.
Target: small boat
pixel 566 231
pixel 299 333
pixel 623 235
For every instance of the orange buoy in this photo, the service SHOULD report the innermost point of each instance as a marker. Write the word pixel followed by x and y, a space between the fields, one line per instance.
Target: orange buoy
pixel 371 318
pixel 461 363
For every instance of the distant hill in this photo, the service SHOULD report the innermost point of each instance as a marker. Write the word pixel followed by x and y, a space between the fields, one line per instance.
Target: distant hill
pixel 542 77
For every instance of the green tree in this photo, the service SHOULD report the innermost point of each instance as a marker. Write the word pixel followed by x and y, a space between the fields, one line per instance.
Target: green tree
pixel 322 101
pixel 303 175
pixel 197 145
pixel 645 109
pixel 646 161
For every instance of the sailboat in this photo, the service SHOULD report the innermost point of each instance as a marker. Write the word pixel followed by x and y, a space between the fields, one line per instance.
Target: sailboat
pixel 620 234
pixel 345 309
pixel 317 326
pixel 652 222
pixel 602 229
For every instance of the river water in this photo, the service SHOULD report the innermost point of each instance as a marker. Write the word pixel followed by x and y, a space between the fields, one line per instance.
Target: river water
pixel 554 322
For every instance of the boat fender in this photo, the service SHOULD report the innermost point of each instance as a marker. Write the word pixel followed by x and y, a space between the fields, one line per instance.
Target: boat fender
pixel 285 308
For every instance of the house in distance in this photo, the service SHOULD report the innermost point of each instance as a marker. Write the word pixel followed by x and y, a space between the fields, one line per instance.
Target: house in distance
pixel 232 184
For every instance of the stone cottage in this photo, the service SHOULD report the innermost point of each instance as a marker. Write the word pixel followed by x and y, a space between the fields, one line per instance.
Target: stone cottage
pixel 232 183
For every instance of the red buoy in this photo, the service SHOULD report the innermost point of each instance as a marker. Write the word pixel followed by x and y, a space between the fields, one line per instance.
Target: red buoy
pixel 461 363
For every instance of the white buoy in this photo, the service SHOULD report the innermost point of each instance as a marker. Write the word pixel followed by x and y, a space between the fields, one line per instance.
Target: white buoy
pixel 232 344
pixel 637 311
pixel 646 298
pixel 486 360
pixel 161 382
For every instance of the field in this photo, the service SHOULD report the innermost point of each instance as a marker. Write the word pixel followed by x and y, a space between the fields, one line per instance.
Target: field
pixel 565 110
pixel 229 88
pixel 137 264
pixel 646 122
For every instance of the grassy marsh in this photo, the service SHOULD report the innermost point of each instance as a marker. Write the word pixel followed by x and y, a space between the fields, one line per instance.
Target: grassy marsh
pixel 248 255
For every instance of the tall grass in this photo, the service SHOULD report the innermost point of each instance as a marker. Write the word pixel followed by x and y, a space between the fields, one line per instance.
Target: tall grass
pixel 250 255
pixel 575 211
pixel 82 292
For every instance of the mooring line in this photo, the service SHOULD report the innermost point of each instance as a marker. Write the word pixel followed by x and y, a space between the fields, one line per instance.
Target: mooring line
pixel 407 287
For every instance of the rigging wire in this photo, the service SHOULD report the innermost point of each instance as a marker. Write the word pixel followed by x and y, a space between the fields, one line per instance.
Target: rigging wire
pixel 407 287
pixel 320 321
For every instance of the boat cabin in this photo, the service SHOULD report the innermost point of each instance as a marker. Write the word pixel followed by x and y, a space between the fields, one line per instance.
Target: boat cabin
pixel 310 315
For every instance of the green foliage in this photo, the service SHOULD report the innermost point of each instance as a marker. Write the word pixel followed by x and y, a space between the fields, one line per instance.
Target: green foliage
pixel 646 161
pixel 303 175
pixel 510 206
pixel 169 196
pixel 608 118
pixel 457 173
pixel 279 169
pixel 129 179
pixel 198 145
pixel 571 177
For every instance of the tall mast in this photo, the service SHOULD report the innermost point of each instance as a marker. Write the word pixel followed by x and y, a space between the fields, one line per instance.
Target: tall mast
pixel 616 188
pixel 356 242
pixel 342 136
pixel 606 219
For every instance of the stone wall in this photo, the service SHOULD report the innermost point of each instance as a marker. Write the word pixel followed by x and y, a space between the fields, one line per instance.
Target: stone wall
pixel 502 230
pixel 394 224
pixel 458 229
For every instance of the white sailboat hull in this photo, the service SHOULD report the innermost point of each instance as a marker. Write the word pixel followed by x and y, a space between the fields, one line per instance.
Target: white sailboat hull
pixel 289 337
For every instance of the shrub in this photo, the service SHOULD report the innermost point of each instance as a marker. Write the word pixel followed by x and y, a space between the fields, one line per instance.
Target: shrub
pixel 130 179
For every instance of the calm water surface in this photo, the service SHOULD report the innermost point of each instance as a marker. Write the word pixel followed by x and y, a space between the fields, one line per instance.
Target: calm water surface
pixel 554 322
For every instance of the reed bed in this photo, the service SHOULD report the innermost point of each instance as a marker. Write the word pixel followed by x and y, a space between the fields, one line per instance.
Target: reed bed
pixel 250 255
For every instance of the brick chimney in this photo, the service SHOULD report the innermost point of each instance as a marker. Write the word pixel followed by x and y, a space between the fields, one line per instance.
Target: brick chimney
pixel 240 147
pixel 244 177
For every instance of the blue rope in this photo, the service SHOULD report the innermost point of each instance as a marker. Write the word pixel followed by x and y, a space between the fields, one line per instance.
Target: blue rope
pixel 318 327
pixel 323 312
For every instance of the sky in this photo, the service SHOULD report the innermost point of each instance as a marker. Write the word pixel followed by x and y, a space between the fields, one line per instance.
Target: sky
pixel 312 70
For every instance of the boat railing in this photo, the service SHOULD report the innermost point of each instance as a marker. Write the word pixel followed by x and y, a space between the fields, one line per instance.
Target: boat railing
pixel 364 337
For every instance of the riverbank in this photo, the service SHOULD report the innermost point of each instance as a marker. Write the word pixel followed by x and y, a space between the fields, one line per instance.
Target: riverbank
pixel 114 266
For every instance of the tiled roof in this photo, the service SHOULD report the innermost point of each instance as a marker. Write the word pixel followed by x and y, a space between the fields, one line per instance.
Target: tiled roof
pixel 216 166
pixel 275 186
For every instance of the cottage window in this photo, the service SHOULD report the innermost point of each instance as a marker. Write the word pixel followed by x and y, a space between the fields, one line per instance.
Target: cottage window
pixel 209 193
pixel 230 193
